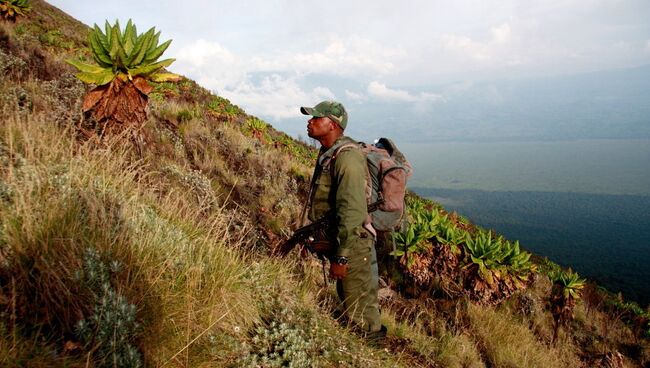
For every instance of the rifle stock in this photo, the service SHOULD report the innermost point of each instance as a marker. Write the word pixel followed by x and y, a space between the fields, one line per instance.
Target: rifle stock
pixel 302 235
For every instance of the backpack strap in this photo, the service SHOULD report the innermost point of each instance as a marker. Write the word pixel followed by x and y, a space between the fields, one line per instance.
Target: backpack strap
pixel 312 186
pixel 367 224
pixel 327 161
pixel 323 160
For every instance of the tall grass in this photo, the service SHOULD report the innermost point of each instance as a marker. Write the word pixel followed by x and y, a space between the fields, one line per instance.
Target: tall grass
pixel 198 294
pixel 183 272
pixel 508 343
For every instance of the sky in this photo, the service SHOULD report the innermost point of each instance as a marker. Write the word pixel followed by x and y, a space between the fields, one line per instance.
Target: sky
pixel 272 56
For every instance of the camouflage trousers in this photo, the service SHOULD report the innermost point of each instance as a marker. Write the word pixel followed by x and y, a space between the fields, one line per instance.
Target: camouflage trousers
pixel 358 290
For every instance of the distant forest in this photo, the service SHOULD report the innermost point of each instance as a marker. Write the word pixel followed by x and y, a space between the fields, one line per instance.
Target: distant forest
pixel 603 237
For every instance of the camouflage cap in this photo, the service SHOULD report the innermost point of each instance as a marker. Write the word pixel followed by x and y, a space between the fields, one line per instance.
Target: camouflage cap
pixel 331 109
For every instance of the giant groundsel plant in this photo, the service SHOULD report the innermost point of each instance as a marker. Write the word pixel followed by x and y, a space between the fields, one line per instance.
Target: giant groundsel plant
pixel 10 9
pixel 125 63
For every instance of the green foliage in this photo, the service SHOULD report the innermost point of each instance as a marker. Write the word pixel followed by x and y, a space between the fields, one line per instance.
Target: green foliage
pixel 256 124
pixel 55 38
pixel 187 114
pixel 412 240
pixel 124 54
pixel 257 128
pixel 298 150
pixel 426 224
pixel 279 345
pixel 497 256
pixel 487 254
pixel 223 108
pixel 569 281
pixel 518 261
pixel 12 8
pixel 112 327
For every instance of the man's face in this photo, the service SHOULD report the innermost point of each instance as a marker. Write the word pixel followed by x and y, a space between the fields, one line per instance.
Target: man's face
pixel 319 127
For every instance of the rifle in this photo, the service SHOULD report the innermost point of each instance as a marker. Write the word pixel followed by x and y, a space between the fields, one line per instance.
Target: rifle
pixel 306 235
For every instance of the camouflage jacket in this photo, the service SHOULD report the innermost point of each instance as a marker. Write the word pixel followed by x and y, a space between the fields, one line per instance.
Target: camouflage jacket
pixel 341 186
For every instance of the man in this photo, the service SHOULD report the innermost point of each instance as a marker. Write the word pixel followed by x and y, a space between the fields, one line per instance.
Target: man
pixel 339 183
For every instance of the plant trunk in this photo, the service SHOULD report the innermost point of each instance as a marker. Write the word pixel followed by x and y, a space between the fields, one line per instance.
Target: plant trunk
pixel 118 105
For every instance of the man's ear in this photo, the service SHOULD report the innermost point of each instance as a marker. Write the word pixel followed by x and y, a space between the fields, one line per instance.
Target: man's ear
pixel 333 124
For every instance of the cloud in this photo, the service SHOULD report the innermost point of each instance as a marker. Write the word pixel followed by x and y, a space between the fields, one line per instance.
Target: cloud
pixel 647 46
pixel 210 64
pixel 501 39
pixel 339 56
pixel 355 97
pixel 270 84
pixel 379 90
pixel 275 96
pixel 501 34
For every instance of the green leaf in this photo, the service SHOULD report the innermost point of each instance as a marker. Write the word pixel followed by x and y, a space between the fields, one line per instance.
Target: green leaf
pixel 127 39
pixel 154 42
pixel 397 253
pixel 86 68
pixel 115 43
pixel 156 53
pixel 142 48
pixel 99 53
pixel 137 49
pixel 107 33
pixel 99 78
pixel 164 77
pixel 101 38
pixel 148 69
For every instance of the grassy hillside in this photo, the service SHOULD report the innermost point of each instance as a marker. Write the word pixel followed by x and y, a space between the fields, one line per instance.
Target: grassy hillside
pixel 151 248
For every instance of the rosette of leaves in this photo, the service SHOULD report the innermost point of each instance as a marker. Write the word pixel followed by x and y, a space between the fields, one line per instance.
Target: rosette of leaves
pixel 518 262
pixel 10 9
pixel 564 293
pixel 125 63
pixel 257 128
pixel 487 254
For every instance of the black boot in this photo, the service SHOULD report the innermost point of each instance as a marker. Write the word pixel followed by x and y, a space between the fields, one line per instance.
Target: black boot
pixel 376 338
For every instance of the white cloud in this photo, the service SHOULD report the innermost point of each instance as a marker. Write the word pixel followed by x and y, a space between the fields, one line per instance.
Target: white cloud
pixel 647 46
pixel 279 91
pixel 501 34
pixel 355 97
pixel 379 90
pixel 496 47
pixel 467 47
pixel 349 56
pixel 210 64
pixel 276 97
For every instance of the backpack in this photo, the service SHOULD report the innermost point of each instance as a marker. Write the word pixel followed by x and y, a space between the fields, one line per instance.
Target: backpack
pixel 388 171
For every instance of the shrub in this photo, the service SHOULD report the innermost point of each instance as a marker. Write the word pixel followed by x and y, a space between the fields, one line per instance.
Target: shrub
pixel 111 329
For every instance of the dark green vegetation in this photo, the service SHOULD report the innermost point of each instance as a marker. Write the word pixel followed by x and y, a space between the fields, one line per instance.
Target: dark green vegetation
pixel 152 248
pixel 606 237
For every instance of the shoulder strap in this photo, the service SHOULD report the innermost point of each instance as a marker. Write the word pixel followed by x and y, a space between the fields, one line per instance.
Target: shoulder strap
pixel 344 146
pixel 330 155
pixel 312 185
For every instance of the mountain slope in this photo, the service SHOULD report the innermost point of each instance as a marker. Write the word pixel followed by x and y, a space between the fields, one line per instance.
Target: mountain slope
pixel 156 252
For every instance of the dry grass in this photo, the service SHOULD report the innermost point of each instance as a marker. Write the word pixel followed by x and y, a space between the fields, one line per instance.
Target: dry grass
pixel 64 201
pixel 508 343
pixel 201 297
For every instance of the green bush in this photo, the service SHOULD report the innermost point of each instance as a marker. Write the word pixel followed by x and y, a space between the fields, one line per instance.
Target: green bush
pixel 111 329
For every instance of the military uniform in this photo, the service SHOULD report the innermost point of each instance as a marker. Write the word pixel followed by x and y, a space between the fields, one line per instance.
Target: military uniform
pixel 339 183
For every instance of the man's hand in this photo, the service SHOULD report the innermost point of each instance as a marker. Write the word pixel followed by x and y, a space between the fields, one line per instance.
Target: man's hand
pixel 338 271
